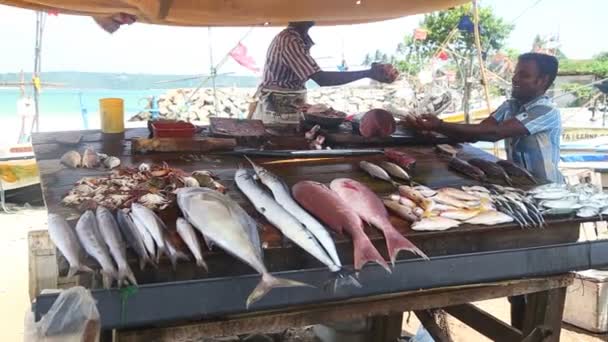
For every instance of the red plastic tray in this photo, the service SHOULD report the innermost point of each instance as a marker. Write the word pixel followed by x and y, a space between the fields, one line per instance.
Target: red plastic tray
pixel 173 129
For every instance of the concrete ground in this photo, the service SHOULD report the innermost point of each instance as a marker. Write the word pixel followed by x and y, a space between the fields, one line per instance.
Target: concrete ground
pixel 14 298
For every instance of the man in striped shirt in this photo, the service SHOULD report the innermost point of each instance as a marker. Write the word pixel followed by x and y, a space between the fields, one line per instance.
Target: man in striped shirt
pixel 289 66
pixel 529 122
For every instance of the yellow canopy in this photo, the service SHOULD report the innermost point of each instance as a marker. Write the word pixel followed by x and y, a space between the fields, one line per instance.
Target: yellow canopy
pixel 242 12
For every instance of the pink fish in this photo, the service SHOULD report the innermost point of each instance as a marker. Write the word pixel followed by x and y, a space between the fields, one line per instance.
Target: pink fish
pixel 330 209
pixel 371 209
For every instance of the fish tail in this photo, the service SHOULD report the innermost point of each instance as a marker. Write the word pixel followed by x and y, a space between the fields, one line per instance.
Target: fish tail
pixel 395 242
pixel 364 252
pixel 268 283
pixel 200 262
pixel 174 257
pixel 78 268
pixel 107 277
pixel 343 278
pixel 125 272
pixel 146 260
pixel 160 251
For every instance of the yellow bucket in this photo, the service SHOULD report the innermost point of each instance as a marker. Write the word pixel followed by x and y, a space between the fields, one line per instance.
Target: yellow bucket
pixel 112 112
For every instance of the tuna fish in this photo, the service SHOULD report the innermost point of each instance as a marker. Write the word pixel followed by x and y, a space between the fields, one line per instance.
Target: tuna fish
pixel 66 240
pixel 371 209
pixel 225 223
pixel 328 207
pixel 118 249
pixel 92 242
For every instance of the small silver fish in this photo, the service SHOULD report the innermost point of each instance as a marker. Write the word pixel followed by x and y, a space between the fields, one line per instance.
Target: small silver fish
pixel 134 238
pixel 186 232
pixel 66 240
pixel 490 218
pixel 395 170
pixel 425 191
pixel 558 211
pixel 475 188
pixel 562 204
pixel 435 223
pixel 458 194
pixel 92 242
pixel 552 195
pixel 587 212
pixel 118 249
pixel 376 171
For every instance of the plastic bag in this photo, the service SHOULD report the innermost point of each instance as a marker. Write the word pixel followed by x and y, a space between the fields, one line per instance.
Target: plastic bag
pixel 72 318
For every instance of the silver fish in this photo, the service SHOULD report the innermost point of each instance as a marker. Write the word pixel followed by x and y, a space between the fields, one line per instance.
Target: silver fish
pixel 174 254
pixel 475 188
pixel 604 211
pixel 282 219
pixel 552 195
pixel 153 224
pixel 395 170
pixel 449 200
pixel 490 218
pixel 458 194
pixel 225 223
pixel 435 223
pixel 118 249
pixel 186 232
pixel 551 187
pixel 92 242
pixel 425 191
pixel 283 197
pixel 134 238
pixel 146 237
pixel 587 212
pixel 376 172
pixel 562 204
pixel 400 210
pixel 558 211
pixel 460 214
pixel 66 240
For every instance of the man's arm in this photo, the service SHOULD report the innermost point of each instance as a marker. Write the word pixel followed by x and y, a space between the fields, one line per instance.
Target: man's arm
pixel 334 78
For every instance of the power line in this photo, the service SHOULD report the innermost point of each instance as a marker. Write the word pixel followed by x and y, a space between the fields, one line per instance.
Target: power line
pixel 525 10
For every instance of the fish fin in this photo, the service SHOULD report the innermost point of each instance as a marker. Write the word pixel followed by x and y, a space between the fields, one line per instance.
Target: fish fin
pixel 79 268
pixel 201 263
pixel 268 283
pixel 364 252
pixel 395 242
pixel 107 278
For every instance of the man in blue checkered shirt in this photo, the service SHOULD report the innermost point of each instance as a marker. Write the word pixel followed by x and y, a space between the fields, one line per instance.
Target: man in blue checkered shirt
pixel 529 122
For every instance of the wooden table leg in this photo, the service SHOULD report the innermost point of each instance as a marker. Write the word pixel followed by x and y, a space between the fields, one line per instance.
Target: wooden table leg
pixel 427 318
pixel 386 328
pixel 545 309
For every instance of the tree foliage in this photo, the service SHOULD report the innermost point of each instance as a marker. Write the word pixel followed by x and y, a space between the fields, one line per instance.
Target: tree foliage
pixel 597 66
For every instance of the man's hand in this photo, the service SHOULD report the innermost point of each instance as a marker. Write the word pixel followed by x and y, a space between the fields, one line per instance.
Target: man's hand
pixel 112 23
pixel 424 123
pixel 384 73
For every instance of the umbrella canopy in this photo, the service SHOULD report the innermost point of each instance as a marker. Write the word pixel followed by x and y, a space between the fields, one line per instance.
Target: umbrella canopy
pixel 242 12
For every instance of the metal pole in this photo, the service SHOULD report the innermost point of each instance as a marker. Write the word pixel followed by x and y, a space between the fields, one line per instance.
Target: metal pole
pixel 212 71
pixel 40 18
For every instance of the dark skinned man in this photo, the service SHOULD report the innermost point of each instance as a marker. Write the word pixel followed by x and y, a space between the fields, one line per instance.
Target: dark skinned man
pixel 529 122
pixel 289 66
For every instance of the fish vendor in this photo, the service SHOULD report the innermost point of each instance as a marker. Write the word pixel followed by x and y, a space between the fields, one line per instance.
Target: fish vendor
pixel 529 122
pixel 289 66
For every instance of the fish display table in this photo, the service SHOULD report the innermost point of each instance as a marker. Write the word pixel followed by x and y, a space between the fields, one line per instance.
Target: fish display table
pixel 468 263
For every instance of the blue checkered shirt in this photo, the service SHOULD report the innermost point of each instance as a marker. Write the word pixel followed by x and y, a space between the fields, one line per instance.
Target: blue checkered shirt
pixel 538 151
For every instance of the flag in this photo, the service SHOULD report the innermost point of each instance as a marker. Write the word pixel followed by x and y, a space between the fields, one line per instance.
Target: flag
pixel 442 55
pixel 420 34
pixel 239 54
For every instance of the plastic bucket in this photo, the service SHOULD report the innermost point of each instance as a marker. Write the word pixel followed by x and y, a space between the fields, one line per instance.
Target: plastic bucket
pixel 112 112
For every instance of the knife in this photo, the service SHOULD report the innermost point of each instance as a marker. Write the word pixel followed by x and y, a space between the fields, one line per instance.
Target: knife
pixel 304 153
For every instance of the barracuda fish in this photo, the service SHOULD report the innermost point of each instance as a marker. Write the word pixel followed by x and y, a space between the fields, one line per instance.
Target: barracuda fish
pixel 491 170
pixel 92 242
pixel 435 223
pixel 371 209
pixel 395 171
pixel 66 240
pixel 225 223
pixel 338 215
pixel 134 238
pixel 376 172
pixel 288 224
pixel 186 232
pixel 118 249
pixel 283 197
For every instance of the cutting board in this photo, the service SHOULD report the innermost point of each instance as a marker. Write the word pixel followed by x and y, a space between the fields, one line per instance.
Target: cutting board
pixel 143 145
pixel 238 128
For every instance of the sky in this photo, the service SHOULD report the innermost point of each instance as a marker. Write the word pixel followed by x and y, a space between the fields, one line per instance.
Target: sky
pixel 78 44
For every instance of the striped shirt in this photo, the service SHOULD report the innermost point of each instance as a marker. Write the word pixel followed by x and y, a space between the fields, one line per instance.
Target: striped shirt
pixel 288 61
pixel 538 152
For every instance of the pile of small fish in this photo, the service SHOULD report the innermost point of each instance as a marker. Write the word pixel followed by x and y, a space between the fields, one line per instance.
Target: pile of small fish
pixel 150 185
pixel 484 171
pixel 445 208
pixel 560 199
pixel 89 159
pixel 513 202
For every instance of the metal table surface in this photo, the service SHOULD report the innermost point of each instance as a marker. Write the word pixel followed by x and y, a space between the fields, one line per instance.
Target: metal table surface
pixel 467 254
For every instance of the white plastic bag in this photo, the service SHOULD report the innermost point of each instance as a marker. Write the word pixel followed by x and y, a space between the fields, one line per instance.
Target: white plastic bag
pixel 72 318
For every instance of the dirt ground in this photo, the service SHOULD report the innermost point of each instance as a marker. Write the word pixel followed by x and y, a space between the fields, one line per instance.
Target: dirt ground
pixel 14 298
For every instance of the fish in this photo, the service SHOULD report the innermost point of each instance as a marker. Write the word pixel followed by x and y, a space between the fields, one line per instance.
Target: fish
pixel 411 193
pixel 515 170
pixel 466 169
pixel 552 195
pixel 134 238
pixel 602 196
pixel 111 162
pixel 435 223
pixel 400 158
pixel 71 159
pixel 402 211
pixel 153 225
pixel 587 212
pixel 224 222
pixel 425 191
pixel 491 170
pixel 173 253
pixel 283 197
pixel 90 159
pixel 449 200
pixel 446 149
pixel 604 211
pixel 458 194
pixel 146 237
pixel 460 214
pixel 291 228
pixel 190 182
pixel 66 240
pixel 475 188
pixel 328 207
pixel 118 249
pixel 371 210
pixel 490 218
pixel 418 211
pixel 376 172
pixel 548 187
pixel 395 171
pixel 91 240
pixel 559 211
pixel 562 204
pixel 186 232
pixel 407 202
